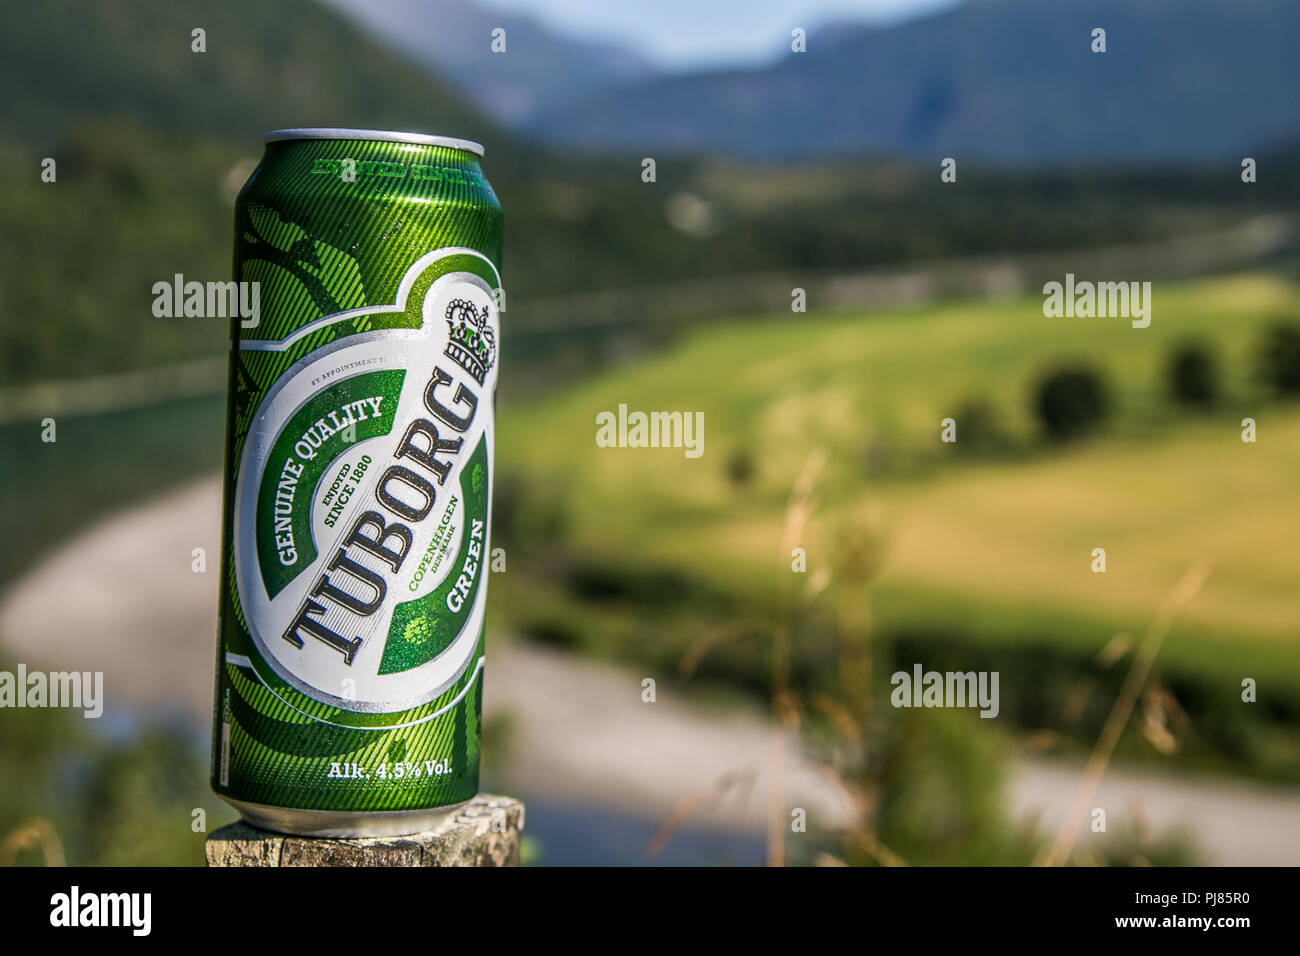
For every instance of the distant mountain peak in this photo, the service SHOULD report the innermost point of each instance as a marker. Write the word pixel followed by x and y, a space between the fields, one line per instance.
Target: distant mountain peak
pixel 987 80
pixel 538 71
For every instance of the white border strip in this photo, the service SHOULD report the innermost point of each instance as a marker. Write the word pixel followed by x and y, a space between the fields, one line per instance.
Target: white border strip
pixel 239 660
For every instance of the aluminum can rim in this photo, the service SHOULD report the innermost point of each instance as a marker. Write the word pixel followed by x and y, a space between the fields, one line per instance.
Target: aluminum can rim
pixel 372 135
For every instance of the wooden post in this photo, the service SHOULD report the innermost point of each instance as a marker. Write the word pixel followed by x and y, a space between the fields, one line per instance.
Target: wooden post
pixel 485 832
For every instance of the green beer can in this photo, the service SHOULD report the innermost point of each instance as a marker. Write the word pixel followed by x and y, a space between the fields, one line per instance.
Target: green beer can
pixel 358 484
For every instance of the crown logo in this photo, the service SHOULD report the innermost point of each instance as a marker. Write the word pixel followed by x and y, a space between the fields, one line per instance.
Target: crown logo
pixel 473 346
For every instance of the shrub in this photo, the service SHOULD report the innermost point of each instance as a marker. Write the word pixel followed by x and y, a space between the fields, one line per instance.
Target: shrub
pixel 979 429
pixel 1193 375
pixel 1070 401
pixel 740 467
pixel 1280 358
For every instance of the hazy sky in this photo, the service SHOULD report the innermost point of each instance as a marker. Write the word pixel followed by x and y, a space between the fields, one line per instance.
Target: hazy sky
pixel 694 34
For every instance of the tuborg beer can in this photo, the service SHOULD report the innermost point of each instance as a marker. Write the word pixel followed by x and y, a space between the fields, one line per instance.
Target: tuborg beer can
pixel 358 484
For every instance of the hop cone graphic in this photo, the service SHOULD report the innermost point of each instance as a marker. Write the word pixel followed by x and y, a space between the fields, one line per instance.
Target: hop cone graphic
pixel 418 630
pixel 476 479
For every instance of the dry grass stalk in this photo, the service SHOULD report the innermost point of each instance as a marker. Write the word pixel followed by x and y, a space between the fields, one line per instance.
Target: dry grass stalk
pixel 1139 671
pixel 1040 741
pixel 840 717
pixel 685 809
pixel 826 859
pixel 1078 699
pixel 700 647
pixel 877 850
pixel 1115 648
pixel 799 509
pixel 31 833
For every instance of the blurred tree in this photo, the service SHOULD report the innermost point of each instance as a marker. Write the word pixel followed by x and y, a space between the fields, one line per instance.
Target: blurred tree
pixel 1280 357
pixel 740 466
pixel 1070 401
pixel 979 429
pixel 1192 375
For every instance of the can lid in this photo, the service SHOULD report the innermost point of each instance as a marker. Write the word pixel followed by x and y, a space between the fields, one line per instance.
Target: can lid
pixel 374 135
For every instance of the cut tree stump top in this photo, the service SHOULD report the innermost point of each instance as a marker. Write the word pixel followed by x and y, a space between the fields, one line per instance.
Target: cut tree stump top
pixel 485 832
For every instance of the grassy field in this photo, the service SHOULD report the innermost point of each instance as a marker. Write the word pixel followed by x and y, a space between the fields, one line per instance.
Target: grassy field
pixel 989 553
pixel 977 562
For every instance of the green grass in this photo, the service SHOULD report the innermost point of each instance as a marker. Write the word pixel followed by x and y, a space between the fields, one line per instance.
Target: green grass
pixel 634 554
pixel 780 384
pixel 990 554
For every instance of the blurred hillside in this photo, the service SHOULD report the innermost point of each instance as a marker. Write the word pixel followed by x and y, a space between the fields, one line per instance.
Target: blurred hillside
pixel 153 140
pixel 265 66
pixel 989 80
pixel 539 69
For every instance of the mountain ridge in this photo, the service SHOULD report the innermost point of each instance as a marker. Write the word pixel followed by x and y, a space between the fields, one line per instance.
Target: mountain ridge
pixel 1006 81
pixel 537 67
